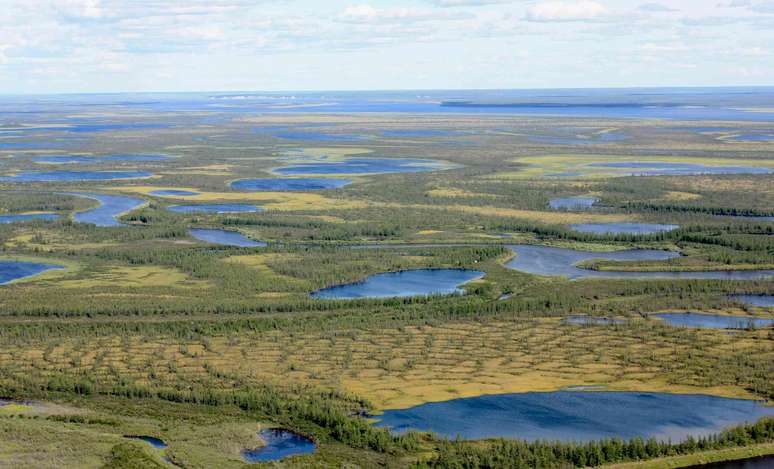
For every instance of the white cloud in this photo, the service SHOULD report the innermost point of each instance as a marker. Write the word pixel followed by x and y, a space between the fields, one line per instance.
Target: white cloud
pixel 369 14
pixel 560 11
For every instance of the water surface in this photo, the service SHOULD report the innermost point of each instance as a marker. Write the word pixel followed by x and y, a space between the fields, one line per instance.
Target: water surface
pixel 577 416
pixel 279 444
pixel 420 282
pixel 551 261
pixel 763 301
pixel 225 238
pixel 713 321
pixel 109 209
pixel 760 462
pixel 172 193
pixel 27 217
pixel 292 184
pixel 15 270
pixel 638 168
pixel 155 442
pixel 72 159
pixel 572 203
pixel 69 176
pixel 623 228
pixel 319 136
pixel 215 208
pixel 361 166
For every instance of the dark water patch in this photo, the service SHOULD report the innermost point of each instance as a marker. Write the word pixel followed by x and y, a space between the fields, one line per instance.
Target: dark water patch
pixel 21 217
pixel 577 416
pixel 225 238
pixel 294 184
pixel 109 209
pixel 760 462
pixel 216 208
pixel 153 441
pixel 16 270
pixel 762 301
pixel 572 203
pixel 172 193
pixel 623 228
pixel 713 321
pixel 591 321
pixel 420 282
pixel 638 168
pixel 551 261
pixel 361 166
pixel 568 174
pixel 279 444
pixel 70 176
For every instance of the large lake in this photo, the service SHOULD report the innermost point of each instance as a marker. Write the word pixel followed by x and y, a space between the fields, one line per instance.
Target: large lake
pixel 361 166
pixel 15 270
pixel 225 238
pixel 420 282
pixel 551 261
pixel 713 321
pixel 290 184
pixel 69 176
pixel 577 416
pixel 763 301
pixel 109 209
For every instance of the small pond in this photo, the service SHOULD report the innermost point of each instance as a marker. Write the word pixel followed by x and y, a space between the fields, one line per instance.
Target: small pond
pixel 15 270
pixel 215 208
pixel 279 444
pixel 27 217
pixel 420 282
pixel 577 416
pixel 172 193
pixel 109 209
pixel 225 238
pixel 713 321
pixel 153 441
pixel 294 184
pixel 572 203
pixel 69 176
pixel 361 166
pixel 623 228
pixel 550 261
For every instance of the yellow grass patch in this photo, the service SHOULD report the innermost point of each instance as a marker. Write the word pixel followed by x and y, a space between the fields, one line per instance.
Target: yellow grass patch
pixel 457 193
pixel 145 276
pixel 677 195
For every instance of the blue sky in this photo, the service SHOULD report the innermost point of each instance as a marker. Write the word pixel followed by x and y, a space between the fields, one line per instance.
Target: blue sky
pixel 189 45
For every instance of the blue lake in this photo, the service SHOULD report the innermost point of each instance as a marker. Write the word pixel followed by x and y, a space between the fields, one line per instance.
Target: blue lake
pixel 420 282
pixel 15 270
pixel 109 209
pixel 172 193
pixel 637 168
pixel 319 136
pixel 225 238
pixel 155 442
pixel 763 301
pixel 713 321
pixel 551 261
pixel 361 166
pixel 69 176
pixel 623 228
pixel 27 217
pixel 577 416
pixel 572 203
pixel 294 184
pixel 279 444
pixel 216 208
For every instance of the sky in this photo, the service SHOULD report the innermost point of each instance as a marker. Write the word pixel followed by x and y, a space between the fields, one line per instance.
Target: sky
pixel 59 46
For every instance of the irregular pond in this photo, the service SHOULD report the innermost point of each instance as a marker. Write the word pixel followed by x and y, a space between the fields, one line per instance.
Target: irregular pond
pixel 713 321
pixel 225 238
pixel 172 193
pixel 361 166
pixel 623 228
pixel 577 416
pixel 279 444
pixel 294 184
pixel 763 301
pixel 15 270
pixel 665 169
pixel 27 217
pixel 545 260
pixel 420 282
pixel 572 203
pixel 109 209
pixel 68 176
pixel 155 442
pixel 215 208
